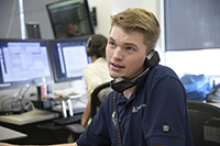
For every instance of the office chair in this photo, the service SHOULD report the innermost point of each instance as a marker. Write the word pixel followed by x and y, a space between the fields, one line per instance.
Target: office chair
pixel 205 123
pixel 77 129
pixel 95 101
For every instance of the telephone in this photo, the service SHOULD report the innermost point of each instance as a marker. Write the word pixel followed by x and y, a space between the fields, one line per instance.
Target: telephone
pixel 120 84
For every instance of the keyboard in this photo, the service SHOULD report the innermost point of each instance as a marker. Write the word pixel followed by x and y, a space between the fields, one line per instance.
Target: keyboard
pixel 68 120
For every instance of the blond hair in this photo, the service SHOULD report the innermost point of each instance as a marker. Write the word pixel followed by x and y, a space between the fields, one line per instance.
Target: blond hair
pixel 141 20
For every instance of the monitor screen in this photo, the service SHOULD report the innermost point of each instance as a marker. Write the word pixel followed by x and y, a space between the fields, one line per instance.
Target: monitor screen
pixel 23 63
pixel 70 18
pixel 68 58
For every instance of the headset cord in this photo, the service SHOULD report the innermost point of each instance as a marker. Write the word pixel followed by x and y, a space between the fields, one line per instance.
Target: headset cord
pixel 117 121
pixel 23 98
pixel 14 97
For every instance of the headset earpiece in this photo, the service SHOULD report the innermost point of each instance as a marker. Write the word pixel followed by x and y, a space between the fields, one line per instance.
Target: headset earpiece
pixel 88 46
pixel 120 84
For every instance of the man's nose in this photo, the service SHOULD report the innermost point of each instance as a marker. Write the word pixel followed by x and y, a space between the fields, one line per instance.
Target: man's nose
pixel 118 53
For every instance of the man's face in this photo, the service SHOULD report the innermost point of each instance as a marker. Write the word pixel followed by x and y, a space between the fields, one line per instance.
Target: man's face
pixel 125 53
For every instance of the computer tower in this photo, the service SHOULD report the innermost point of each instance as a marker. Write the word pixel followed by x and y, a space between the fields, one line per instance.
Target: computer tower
pixel 33 30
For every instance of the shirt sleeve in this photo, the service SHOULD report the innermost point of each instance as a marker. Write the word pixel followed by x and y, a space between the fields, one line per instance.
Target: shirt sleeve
pixel 91 78
pixel 164 122
pixel 97 132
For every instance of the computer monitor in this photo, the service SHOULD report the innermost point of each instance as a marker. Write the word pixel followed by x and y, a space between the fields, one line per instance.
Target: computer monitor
pixel 69 58
pixel 70 18
pixel 23 63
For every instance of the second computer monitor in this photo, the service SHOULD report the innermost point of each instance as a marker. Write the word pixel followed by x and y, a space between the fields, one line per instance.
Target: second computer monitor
pixel 68 58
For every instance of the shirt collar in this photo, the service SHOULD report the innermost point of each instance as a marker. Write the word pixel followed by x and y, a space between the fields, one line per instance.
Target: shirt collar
pixel 100 59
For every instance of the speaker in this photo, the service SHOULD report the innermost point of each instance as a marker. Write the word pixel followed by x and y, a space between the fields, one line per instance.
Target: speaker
pixel 33 30
pixel 93 15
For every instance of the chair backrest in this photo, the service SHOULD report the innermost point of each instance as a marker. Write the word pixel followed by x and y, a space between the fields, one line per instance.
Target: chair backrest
pixel 76 128
pixel 95 100
pixel 205 123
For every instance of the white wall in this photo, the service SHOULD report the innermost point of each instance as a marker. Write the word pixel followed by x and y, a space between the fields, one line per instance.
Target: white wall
pixel 120 5
pixel 9 19
pixel 103 12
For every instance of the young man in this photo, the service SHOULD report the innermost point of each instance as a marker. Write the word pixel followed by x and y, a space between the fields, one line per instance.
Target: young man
pixel 148 106
pixel 152 110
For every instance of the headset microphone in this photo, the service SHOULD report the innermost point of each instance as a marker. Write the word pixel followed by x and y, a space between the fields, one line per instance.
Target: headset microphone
pixel 120 84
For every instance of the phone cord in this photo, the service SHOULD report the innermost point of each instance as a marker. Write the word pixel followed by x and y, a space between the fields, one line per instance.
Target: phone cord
pixel 117 121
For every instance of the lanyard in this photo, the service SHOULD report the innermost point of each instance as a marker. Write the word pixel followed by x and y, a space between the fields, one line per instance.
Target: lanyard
pixel 116 117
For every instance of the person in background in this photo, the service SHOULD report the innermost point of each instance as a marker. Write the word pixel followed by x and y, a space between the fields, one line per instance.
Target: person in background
pixel 95 73
pixel 148 106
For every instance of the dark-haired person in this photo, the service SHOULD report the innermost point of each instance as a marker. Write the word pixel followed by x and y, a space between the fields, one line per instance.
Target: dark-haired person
pixel 95 73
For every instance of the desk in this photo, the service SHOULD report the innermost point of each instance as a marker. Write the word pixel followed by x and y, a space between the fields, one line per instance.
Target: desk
pixel 37 135
pixel 35 124
pixel 8 134
pixel 33 116
pixel 38 115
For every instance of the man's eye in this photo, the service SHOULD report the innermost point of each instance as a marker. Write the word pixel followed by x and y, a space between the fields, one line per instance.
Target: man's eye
pixel 129 48
pixel 111 43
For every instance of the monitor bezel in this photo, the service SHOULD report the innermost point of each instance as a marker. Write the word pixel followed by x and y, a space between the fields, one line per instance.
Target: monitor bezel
pixel 91 23
pixel 53 63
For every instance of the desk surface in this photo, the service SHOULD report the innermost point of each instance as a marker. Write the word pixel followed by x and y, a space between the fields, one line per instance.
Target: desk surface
pixel 33 116
pixel 7 134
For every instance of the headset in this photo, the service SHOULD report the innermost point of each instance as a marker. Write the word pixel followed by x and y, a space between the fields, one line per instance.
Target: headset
pixel 88 47
pixel 120 84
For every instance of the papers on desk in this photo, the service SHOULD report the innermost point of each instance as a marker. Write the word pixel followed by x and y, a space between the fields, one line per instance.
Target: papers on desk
pixel 8 134
pixel 68 93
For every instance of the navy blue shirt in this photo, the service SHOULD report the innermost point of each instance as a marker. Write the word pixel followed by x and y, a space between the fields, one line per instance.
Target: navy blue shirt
pixel 155 114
